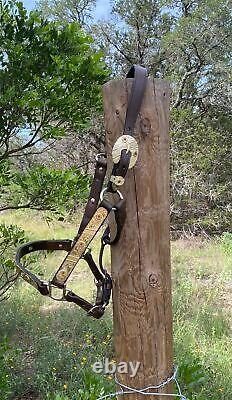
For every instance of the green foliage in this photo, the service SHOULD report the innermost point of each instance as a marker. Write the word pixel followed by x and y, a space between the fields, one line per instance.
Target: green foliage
pixel 56 397
pixel 192 375
pixel 5 174
pixel 226 242
pixel 49 79
pixel 80 11
pixel 43 188
pixel 4 371
pixel 11 236
pixel 201 185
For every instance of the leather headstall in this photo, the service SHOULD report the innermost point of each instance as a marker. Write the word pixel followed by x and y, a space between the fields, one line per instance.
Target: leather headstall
pixel 97 210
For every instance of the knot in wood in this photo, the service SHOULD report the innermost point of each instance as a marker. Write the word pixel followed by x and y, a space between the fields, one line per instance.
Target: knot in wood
pixel 153 280
pixel 145 125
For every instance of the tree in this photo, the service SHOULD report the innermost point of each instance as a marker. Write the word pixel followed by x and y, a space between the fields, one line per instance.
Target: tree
pixel 91 139
pixel 49 80
pixel 187 42
pixel 65 11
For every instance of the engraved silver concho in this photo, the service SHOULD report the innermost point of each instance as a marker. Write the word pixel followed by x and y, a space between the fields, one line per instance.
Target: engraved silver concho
pixel 128 143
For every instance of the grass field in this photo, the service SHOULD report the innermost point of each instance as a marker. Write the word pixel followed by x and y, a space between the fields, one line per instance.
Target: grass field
pixel 48 347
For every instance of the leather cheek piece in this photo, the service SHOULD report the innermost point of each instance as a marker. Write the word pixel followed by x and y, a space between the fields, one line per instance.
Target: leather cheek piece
pixel 94 196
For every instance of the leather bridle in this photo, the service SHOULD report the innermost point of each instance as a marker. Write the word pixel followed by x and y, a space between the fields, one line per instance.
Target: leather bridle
pixel 98 208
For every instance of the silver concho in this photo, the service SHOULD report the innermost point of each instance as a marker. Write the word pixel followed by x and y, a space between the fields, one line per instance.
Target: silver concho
pixel 128 143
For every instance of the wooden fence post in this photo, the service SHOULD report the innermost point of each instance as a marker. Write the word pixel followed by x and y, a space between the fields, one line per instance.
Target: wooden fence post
pixel 141 273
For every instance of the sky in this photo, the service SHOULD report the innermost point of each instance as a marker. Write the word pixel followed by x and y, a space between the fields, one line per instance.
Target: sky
pixel 102 9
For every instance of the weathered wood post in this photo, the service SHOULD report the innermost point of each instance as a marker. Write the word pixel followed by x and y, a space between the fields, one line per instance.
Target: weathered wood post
pixel 141 260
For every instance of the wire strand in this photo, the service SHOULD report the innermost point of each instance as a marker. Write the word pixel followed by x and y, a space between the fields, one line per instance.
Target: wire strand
pixel 125 389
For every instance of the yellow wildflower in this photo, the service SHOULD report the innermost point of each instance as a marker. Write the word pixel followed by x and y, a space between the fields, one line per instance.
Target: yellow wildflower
pixel 65 386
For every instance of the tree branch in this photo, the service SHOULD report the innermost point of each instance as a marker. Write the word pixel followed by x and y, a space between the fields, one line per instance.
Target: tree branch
pixel 116 46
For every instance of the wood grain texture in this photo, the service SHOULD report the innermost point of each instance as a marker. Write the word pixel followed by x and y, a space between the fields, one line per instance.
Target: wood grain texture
pixel 141 268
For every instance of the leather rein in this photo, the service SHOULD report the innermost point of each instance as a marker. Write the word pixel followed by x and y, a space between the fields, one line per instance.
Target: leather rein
pixel 98 208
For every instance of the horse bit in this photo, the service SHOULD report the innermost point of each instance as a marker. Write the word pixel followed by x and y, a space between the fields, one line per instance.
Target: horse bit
pixel 98 208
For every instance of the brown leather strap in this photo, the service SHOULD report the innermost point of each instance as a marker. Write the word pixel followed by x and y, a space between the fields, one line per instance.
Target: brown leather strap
pixel 135 101
pixel 95 191
pixel 120 169
pixel 120 216
pixel 104 282
pixel 30 247
pixel 136 97
pixel 92 265
pixel 95 311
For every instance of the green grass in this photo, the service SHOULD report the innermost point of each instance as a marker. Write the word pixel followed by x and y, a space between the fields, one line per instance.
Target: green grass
pixel 51 346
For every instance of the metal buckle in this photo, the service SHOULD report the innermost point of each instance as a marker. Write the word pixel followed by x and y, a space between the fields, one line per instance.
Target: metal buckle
pixel 99 156
pixel 105 191
pixel 51 288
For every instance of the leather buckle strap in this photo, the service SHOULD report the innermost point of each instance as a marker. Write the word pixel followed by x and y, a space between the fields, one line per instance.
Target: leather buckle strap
pixel 121 167
pixel 94 195
pixel 136 97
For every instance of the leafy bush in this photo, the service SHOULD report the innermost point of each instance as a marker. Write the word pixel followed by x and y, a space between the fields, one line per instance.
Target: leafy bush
pixel 42 188
pixel 10 238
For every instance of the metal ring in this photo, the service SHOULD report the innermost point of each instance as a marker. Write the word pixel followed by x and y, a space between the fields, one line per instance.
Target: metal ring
pixel 99 155
pixel 64 290
pixel 105 190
